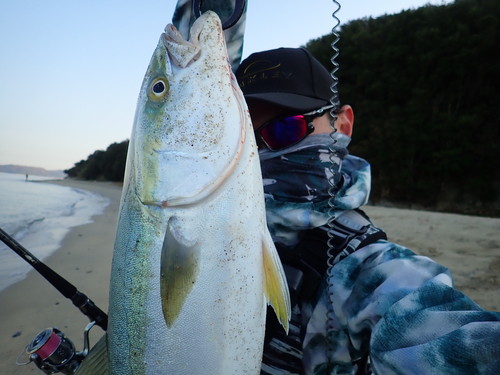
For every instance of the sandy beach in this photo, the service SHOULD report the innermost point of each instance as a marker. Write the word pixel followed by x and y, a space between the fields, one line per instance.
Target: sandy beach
pixel 469 246
pixel 84 259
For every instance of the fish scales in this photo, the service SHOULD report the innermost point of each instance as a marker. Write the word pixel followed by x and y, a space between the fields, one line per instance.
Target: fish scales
pixel 194 265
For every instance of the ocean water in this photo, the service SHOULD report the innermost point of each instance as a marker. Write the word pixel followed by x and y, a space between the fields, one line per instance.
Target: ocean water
pixel 38 216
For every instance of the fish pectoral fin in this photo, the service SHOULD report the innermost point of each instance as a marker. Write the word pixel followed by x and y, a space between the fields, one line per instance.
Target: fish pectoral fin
pixel 96 362
pixel 277 293
pixel 179 267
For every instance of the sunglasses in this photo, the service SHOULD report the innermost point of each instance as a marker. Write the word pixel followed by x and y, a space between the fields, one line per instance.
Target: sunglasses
pixel 284 132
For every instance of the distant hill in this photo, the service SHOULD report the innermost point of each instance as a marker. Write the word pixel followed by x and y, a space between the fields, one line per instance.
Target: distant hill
pixel 21 169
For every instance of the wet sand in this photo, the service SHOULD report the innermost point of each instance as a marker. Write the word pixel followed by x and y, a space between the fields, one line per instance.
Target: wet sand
pixel 468 245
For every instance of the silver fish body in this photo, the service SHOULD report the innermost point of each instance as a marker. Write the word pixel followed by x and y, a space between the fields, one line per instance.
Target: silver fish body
pixel 194 265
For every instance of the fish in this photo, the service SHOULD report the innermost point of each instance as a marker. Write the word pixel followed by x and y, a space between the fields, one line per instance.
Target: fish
pixel 194 265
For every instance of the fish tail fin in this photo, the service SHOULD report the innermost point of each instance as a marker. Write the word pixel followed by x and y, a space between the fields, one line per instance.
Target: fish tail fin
pixel 277 293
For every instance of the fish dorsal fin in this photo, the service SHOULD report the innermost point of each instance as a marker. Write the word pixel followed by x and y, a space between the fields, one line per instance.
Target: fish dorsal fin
pixel 179 267
pixel 277 293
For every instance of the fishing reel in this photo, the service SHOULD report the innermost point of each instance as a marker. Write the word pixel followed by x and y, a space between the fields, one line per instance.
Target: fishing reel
pixel 52 352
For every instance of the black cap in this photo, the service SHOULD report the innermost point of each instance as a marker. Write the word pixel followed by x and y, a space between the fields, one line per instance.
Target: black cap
pixel 287 77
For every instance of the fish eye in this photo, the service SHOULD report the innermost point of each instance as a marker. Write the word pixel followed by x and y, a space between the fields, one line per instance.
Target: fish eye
pixel 158 88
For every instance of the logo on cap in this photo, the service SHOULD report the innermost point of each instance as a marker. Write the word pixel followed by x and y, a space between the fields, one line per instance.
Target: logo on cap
pixel 262 70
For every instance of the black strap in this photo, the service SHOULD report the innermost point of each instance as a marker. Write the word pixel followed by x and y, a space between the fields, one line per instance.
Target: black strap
pixel 363 233
pixel 305 265
pixel 308 259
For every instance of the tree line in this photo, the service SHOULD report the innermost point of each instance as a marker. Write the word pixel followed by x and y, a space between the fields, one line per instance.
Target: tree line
pixel 106 165
pixel 424 88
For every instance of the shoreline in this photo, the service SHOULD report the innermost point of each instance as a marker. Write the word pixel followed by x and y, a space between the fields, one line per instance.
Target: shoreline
pixel 469 246
pixel 39 216
pixel 84 259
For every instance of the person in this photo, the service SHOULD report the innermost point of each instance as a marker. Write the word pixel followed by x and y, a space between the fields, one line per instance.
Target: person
pixel 381 307
pixel 361 304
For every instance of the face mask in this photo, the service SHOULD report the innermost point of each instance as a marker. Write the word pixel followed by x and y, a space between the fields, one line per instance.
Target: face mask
pixel 301 173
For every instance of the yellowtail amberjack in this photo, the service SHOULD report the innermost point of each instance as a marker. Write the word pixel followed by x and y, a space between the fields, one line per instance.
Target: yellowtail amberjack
pixel 194 265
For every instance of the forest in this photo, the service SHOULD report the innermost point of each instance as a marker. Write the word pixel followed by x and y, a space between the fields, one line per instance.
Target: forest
pixel 424 86
pixel 106 165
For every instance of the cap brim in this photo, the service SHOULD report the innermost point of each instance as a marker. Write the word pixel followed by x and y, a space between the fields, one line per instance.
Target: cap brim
pixel 289 101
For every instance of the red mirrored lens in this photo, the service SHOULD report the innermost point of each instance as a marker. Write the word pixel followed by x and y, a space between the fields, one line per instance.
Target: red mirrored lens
pixel 285 132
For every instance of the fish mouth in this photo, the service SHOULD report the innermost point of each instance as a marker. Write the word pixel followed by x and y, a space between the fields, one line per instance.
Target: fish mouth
pixel 181 52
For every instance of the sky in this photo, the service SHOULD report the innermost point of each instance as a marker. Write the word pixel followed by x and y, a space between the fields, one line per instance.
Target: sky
pixel 70 71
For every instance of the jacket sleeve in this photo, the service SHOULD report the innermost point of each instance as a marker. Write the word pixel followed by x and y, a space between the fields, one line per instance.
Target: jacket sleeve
pixel 402 309
pixel 183 18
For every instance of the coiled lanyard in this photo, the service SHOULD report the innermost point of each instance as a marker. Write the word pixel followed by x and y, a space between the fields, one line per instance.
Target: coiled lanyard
pixel 333 170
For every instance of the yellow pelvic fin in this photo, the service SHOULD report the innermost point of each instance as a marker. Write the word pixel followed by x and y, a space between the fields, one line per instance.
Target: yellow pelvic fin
pixel 178 271
pixel 277 293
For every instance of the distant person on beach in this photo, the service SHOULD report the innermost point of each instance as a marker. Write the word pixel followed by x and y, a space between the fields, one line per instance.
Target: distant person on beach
pixel 363 305
pixel 26 177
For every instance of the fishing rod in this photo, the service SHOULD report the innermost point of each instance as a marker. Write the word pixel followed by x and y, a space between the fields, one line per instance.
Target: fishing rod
pixel 68 290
